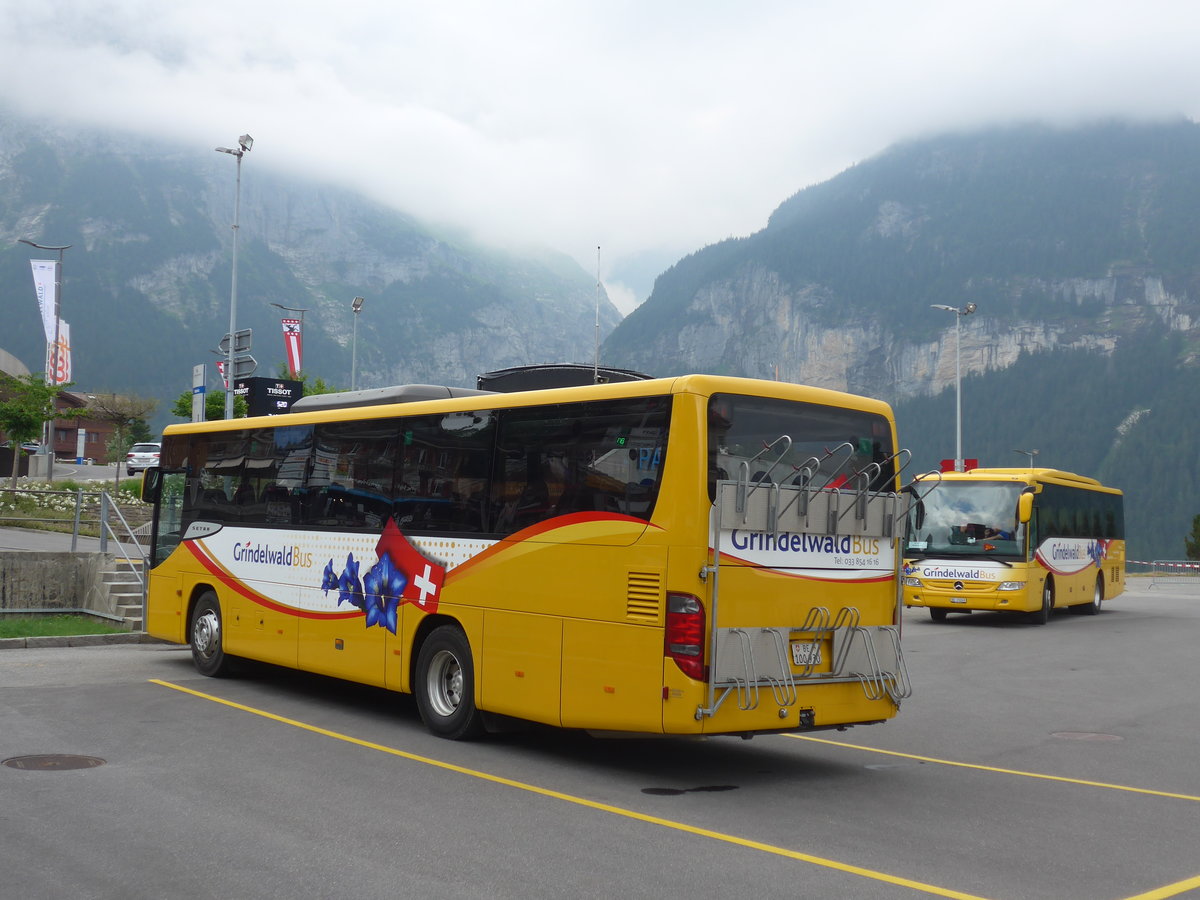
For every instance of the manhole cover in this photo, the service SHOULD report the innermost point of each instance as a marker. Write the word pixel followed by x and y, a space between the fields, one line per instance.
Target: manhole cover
pixel 53 762
pixel 1086 736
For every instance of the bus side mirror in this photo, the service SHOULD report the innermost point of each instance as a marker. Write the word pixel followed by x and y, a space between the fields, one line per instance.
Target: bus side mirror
pixel 1024 508
pixel 917 509
pixel 151 483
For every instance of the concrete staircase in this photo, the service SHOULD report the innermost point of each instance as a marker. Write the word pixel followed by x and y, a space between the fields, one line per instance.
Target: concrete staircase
pixel 121 580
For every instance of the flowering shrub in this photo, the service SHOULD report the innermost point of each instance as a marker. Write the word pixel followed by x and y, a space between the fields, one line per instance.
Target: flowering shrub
pixel 52 505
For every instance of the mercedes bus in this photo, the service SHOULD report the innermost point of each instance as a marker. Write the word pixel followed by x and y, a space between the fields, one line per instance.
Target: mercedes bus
pixel 1013 540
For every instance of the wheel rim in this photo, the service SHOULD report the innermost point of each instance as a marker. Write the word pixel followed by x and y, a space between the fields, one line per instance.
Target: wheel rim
pixel 445 684
pixel 1097 595
pixel 206 634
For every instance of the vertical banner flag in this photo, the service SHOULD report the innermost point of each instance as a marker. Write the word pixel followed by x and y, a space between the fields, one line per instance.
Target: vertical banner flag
pixel 44 284
pixel 221 372
pixel 291 343
pixel 63 373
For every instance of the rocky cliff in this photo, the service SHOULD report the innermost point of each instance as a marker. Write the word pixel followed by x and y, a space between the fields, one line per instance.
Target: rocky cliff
pixel 836 291
pixel 151 257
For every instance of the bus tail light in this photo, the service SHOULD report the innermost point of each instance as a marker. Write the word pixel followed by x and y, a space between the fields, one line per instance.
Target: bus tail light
pixel 684 641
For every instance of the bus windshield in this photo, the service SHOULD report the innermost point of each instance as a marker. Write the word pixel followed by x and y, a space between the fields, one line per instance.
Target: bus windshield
pixel 967 519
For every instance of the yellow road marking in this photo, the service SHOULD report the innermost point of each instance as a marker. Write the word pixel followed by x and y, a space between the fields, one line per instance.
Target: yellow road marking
pixel 1169 890
pixel 592 804
pixel 981 768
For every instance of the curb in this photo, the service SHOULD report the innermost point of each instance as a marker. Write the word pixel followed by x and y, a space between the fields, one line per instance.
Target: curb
pixel 78 640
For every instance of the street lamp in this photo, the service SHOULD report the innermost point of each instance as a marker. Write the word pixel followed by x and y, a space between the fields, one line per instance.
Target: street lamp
pixel 52 375
pixel 958 314
pixel 1031 454
pixel 295 309
pixel 356 307
pixel 245 142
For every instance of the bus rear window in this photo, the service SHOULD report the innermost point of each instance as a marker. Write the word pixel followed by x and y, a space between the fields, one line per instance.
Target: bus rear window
pixel 824 446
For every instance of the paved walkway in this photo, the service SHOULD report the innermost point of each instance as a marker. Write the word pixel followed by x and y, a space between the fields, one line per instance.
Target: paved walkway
pixel 54 541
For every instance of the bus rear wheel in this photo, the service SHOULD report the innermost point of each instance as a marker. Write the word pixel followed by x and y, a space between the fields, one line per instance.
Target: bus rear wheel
pixel 205 638
pixel 445 685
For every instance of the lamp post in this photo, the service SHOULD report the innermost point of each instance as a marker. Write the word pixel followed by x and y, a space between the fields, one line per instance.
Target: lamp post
pixel 295 309
pixel 356 308
pixel 958 315
pixel 52 374
pixel 245 142
pixel 1031 454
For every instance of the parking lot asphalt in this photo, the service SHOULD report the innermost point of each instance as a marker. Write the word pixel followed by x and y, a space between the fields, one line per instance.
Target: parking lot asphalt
pixel 1052 761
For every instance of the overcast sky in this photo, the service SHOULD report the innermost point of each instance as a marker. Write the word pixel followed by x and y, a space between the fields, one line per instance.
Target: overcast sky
pixel 639 127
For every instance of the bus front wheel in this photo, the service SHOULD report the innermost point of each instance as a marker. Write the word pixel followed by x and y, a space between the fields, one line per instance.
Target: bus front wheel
pixel 205 638
pixel 1093 608
pixel 445 685
pixel 938 615
pixel 1042 615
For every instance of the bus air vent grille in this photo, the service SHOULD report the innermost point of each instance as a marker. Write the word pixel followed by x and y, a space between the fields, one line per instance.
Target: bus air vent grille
pixel 643 596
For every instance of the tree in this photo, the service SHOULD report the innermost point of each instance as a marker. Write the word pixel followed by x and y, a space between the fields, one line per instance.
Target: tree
pixel 127 414
pixel 214 401
pixel 1192 541
pixel 26 405
pixel 214 406
pixel 308 384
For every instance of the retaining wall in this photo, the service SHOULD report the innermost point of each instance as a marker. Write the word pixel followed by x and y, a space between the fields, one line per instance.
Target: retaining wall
pixel 33 580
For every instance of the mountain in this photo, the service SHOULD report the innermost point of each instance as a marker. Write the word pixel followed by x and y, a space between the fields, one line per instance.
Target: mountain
pixel 1078 246
pixel 148 277
pixel 1080 250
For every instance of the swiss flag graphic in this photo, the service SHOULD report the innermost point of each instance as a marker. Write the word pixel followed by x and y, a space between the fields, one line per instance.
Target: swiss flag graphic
pixel 425 577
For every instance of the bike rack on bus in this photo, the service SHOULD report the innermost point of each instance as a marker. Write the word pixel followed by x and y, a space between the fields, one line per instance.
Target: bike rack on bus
pixel 744 660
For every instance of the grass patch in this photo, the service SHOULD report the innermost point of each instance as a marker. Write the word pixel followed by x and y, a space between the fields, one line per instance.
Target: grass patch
pixel 53 625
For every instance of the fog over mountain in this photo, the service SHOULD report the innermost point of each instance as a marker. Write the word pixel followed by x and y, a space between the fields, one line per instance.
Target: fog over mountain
pixel 1079 248
pixel 1077 245
pixel 148 277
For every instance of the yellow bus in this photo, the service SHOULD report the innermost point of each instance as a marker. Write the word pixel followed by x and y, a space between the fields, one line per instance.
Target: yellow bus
pixel 687 556
pixel 1016 540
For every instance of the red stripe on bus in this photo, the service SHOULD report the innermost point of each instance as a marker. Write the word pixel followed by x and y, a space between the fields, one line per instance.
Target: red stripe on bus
pixel 229 581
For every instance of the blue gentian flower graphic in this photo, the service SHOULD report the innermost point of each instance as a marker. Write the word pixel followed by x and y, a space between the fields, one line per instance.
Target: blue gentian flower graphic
pixel 349 588
pixel 384 585
pixel 329 580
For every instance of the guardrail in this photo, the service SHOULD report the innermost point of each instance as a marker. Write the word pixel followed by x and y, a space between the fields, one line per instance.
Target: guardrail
pixel 82 513
pixel 1176 572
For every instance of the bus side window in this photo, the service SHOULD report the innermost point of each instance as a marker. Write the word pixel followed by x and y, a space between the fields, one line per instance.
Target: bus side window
pixel 564 459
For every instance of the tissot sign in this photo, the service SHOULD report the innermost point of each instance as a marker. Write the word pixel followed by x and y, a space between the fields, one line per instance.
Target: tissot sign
pixel 268 396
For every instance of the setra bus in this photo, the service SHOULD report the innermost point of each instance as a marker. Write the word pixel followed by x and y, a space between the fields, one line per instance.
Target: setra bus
pixel 686 556
pixel 1018 540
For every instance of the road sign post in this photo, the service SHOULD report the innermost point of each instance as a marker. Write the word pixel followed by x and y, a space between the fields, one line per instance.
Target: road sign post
pixel 199 386
pixel 243 367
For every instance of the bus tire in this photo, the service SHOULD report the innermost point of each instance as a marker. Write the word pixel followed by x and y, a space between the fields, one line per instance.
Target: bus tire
pixel 445 685
pixel 1042 615
pixel 938 615
pixel 1093 608
pixel 206 638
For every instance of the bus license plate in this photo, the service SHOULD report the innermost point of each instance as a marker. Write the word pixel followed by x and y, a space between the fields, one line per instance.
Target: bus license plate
pixel 806 653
